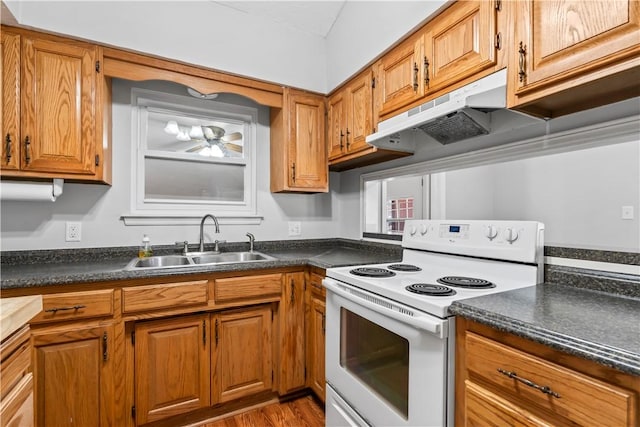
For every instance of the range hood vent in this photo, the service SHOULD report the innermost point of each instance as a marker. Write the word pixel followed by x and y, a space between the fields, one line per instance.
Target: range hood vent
pixel 458 115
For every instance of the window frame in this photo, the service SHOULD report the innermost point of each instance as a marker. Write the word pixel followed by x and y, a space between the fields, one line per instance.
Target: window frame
pixel 158 211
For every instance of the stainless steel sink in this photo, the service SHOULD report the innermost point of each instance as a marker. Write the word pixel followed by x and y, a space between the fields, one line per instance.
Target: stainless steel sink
pixel 195 259
pixel 230 257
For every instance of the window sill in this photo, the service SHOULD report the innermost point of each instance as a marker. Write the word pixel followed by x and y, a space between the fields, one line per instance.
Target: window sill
pixel 149 219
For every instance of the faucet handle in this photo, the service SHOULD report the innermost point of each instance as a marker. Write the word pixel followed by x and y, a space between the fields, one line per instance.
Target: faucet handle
pixel 185 246
pixel 216 249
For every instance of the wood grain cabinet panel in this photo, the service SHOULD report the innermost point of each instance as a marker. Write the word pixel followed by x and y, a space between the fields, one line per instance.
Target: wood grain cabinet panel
pixel 242 353
pixel 316 322
pixel 292 342
pixel 164 295
pixel 172 367
pixel 337 110
pixel 58 95
pixel 247 289
pixel 75 305
pixel 459 43
pixel 73 370
pixel 572 55
pixel 298 144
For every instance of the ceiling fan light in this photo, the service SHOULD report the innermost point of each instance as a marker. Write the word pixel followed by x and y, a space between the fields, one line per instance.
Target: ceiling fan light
pixel 172 128
pixel 196 132
pixel 183 136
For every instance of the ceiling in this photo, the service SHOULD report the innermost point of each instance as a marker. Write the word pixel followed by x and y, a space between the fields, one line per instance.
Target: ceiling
pixel 312 16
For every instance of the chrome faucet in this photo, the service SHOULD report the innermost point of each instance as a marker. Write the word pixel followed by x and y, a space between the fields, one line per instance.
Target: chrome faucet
pixel 215 220
pixel 251 240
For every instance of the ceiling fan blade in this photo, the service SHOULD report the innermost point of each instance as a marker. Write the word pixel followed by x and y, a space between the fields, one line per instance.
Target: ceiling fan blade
pixel 234 136
pixel 233 147
pixel 196 148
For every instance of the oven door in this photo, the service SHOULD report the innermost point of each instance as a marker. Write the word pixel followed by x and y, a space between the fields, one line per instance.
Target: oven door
pixel 389 362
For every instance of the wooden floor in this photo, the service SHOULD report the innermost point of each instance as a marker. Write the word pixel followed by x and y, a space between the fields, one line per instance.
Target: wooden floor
pixel 302 412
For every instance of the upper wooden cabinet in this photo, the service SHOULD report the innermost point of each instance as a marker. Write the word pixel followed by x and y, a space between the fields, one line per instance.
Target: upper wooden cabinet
pixel 298 145
pixel 351 119
pixel 455 45
pixel 573 55
pixel 53 104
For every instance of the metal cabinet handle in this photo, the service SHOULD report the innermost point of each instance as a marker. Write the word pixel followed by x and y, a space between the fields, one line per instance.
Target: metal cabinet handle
pixel 426 71
pixel 293 172
pixel 204 332
pixel 8 147
pixel 75 307
pixel 544 389
pixel 415 76
pixel 216 332
pixel 27 149
pixel 105 354
pixel 347 136
pixel 292 298
pixel 341 136
pixel 323 323
pixel 522 51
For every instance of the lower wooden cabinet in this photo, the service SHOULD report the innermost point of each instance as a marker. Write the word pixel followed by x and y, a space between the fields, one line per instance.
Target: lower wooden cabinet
pixel 171 367
pixel 292 345
pixel 506 380
pixel 316 322
pixel 73 371
pixel 16 405
pixel 241 362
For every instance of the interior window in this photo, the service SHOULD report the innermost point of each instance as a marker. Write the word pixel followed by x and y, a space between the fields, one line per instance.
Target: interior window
pixel 192 156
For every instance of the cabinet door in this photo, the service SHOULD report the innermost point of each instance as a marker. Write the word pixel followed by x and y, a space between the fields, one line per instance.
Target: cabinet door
pixel 58 106
pixel 10 94
pixel 73 370
pixel 337 125
pixel 563 38
pixel 172 367
pixel 359 102
pixel 317 322
pixel 459 43
pixel 292 348
pixel 241 358
pixel 400 75
pixel 307 144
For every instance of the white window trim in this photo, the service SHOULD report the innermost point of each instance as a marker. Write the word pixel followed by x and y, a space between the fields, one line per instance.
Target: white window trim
pixel 162 212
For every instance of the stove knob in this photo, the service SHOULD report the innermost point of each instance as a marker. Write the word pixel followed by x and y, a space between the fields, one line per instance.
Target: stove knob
pixel 510 235
pixel 424 229
pixel 412 230
pixel 491 232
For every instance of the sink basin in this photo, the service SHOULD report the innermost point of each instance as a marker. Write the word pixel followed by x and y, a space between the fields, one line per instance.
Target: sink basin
pixel 192 260
pixel 230 257
pixel 162 261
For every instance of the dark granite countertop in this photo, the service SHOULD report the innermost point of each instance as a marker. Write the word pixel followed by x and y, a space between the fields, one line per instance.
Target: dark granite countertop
pixel 598 326
pixel 22 269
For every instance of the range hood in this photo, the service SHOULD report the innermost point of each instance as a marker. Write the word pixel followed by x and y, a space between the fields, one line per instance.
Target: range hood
pixel 458 115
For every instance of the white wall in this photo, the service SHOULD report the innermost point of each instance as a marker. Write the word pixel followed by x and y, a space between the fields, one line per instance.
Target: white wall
pixel 41 225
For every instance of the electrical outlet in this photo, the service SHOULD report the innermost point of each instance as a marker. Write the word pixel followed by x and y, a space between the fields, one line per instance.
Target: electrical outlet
pixel 295 228
pixel 627 212
pixel 73 231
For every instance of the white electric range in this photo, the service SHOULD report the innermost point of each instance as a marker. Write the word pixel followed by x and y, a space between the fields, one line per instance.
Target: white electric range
pixel 389 336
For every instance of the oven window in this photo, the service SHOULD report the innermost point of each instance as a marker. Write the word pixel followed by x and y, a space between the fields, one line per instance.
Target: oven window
pixel 377 357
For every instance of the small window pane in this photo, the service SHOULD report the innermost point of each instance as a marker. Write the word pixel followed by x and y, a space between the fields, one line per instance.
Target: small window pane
pixel 179 180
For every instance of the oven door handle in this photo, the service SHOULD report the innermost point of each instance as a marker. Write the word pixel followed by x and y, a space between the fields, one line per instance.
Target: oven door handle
pixel 419 320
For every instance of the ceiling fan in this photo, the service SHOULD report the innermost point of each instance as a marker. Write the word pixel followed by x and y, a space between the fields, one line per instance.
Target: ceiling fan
pixel 214 136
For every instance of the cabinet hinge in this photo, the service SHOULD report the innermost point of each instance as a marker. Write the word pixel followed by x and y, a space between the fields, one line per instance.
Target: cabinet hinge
pixel 498 5
pixel 97 159
pixel 97 66
pixel 133 337
pixel 498 42
pixel 373 83
pixel 105 351
pixel 305 372
pixel 133 411
pixel 272 375
pixel 272 315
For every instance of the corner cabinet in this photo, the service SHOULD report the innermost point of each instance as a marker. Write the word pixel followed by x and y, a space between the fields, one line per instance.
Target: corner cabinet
pixel 292 346
pixel 502 379
pixel 56 104
pixel 316 321
pixel 298 146
pixel 569 56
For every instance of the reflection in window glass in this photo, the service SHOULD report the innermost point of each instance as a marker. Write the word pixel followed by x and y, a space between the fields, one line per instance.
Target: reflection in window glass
pixel 377 357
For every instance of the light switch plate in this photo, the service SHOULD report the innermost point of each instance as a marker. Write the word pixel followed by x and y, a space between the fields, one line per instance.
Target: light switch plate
pixel 627 212
pixel 295 228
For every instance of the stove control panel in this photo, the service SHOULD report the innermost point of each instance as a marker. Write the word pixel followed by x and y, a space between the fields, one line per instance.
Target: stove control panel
pixel 521 241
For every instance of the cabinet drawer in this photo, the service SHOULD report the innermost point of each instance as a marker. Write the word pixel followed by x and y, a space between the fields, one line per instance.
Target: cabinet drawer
pixel 164 295
pixel 316 286
pixel 248 287
pixel 16 360
pixel 17 409
pixel 75 305
pixel 579 398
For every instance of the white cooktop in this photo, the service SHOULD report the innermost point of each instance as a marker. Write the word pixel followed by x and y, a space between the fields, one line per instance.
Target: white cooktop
pixel 505 275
